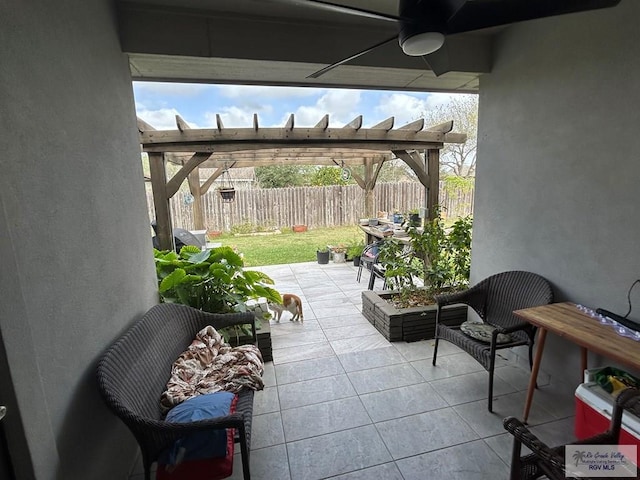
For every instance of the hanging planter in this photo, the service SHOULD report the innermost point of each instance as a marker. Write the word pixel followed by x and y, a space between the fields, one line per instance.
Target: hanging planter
pixel 228 194
pixel 227 191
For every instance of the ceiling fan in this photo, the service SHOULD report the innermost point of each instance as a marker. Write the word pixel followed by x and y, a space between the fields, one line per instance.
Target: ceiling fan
pixel 424 24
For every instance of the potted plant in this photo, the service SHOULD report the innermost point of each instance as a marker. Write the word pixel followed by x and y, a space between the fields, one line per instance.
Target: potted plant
pixel 414 218
pixel 438 262
pixel 339 253
pixel 214 281
pixel 354 250
pixel 322 255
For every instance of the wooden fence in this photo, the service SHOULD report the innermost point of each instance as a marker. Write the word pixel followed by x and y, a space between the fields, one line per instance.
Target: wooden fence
pixel 311 206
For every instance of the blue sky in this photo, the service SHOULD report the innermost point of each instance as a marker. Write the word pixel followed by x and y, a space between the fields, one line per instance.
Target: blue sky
pixel 198 104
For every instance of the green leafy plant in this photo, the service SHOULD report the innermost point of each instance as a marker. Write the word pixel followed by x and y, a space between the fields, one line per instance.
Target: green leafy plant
pixel 211 280
pixel 355 248
pixel 322 249
pixel 439 259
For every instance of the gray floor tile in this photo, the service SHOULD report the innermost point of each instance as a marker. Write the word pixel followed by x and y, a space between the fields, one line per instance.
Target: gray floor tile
pixel 307 370
pixel 349 331
pixel 425 432
pixel 556 398
pixel 342 320
pixel 267 463
pixel 558 432
pixel 518 377
pixel 336 453
pixel 423 349
pixel 487 424
pixel 447 366
pixel 305 352
pixel 402 402
pixel 285 327
pixel 266 401
pixel 386 471
pixel 331 309
pixel 266 430
pixel 378 357
pixel 315 391
pixel 319 294
pixel 298 339
pixel 471 461
pixel 384 378
pixel 269 375
pixel 358 344
pixel 322 418
pixel 502 445
pixel 469 387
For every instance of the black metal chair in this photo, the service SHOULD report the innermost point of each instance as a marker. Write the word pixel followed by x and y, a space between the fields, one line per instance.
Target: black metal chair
pixel 494 299
pixel 550 462
pixel 368 259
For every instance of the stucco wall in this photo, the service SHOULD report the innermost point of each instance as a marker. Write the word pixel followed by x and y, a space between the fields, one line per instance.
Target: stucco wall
pixel 558 165
pixel 77 262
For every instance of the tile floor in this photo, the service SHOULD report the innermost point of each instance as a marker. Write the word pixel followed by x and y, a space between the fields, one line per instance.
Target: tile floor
pixel 341 402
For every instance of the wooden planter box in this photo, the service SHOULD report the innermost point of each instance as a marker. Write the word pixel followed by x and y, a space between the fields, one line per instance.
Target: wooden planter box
pixel 407 324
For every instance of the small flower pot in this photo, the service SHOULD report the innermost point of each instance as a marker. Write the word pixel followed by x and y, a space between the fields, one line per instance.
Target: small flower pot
pixel 299 228
pixel 356 261
pixel 339 257
pixel 323 257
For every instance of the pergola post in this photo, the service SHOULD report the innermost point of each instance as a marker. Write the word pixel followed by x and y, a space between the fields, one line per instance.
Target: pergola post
pixel 433 189
pixel 194 188
pixel 161 201
pixel 369 184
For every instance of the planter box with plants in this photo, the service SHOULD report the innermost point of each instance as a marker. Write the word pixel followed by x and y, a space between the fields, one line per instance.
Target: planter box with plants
pixel 215 281
pixel 438 262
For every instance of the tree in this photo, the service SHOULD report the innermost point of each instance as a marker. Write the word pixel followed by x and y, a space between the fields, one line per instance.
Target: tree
pixel 278 176
pixel 328 176
pixel 458 158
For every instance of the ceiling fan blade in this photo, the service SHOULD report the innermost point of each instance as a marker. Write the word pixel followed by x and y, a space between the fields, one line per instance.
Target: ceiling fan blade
pixel 478 14
pixel 438 61
pixel 345 60
pixel 334 7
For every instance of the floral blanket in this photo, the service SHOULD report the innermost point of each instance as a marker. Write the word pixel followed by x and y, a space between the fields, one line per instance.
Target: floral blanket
pixel 210 365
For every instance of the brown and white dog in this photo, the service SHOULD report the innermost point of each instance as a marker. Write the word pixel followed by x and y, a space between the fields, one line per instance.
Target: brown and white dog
pixel 292 304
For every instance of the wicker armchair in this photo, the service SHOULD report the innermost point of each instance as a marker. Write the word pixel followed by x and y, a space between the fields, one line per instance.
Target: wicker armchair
pixel 494 299
pixel 133 373
pixel 549 462
pixel 369 260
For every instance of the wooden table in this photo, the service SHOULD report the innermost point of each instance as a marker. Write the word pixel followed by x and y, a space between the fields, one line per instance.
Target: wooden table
pixel 373 234
pixel 565 320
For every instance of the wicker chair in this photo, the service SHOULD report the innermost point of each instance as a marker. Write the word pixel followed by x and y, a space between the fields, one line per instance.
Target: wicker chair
pixel 494 299
pixel 133 373
pixel 549 462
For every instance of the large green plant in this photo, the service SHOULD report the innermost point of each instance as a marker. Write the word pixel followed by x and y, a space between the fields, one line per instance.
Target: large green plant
pixel 211 280
pixel 439 258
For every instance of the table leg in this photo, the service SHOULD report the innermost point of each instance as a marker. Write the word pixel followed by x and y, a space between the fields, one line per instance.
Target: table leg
pixel 583 360
pixel 542 336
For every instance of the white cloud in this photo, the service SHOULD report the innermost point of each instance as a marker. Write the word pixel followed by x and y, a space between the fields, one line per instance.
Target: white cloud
pixel 341 105
pixel 407 108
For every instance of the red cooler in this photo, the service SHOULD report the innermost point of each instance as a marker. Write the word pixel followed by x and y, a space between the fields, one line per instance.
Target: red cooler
pixel 593 415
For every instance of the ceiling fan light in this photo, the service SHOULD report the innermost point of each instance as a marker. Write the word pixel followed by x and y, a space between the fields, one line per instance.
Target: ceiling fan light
pixel 423 43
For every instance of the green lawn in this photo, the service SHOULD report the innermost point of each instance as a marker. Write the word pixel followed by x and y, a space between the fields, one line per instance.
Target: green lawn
pixel 289 247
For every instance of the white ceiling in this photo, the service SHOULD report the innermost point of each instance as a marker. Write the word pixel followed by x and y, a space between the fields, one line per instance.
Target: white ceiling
pixel 269 43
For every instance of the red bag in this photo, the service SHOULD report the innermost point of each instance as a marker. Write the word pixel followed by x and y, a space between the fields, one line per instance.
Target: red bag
pixel 204 469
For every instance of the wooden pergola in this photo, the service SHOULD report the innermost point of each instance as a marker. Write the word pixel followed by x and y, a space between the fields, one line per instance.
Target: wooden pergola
pixel 220 148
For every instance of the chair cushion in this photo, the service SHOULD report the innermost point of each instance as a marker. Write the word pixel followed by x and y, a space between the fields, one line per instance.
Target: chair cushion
pixel 482 331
